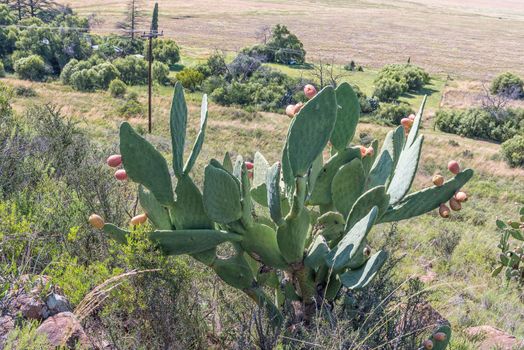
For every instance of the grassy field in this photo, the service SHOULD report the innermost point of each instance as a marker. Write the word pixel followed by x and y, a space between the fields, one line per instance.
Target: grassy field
pixel 460 251
pixel 473 39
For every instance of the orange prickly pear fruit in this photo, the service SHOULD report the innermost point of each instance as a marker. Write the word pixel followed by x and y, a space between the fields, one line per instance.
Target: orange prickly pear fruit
pixel 454 166
pixel 370 151
pixel 455 204
pixel 440 336
pixel 290 111
pixel 121 175
pixel 412 116
pixel 114 160
pixel 438 180
pixel 96 221
pixel 443 210
pixel 461 196
pixel 298 107
pixel 310 91
pixel 406 123
pixel 363 151
pixel 428 344
pixel 139 219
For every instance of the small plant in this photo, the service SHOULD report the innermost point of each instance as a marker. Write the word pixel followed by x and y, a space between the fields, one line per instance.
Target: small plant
pixel 511 247
pixel 133 69
pixel 117 88
pixel 190 78
pixel 307 240
pixel 387 89
pixel 25 91
pixel 392 113
pixel 31 68
pixel 513 151
pixel 509 85
pixel 160 73
pixel 131 107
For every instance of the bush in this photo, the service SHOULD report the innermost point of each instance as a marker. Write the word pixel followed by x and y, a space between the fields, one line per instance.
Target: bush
pixel 160 73
pixel 481 123
pixel 513 151
pixel 2 70
pixel 509 85
pixel 84 80
pixel 106 73
pixel 190 78
pixel 114 46
pixel 214 66
pixel 131 107
pixel 117 88
pixel 31 68
pixel 389 89
pixel 242 67
pixel 133 70
pixel 392 113
pixel 165 51
pixel 393 80
pixel 23 91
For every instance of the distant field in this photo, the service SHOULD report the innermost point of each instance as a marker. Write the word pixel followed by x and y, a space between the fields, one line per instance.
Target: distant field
pixel 467 39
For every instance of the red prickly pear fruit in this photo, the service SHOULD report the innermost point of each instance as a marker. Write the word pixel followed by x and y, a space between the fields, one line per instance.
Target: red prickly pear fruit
pixel 363 151
pixel 454 167
pixel 455 204
pixel 139 219
pixel 461 196
pixel 298 107
pixel 440 336
pixel 443 210
pixel 249 165
pixel 438 180
pixel 310 91
pixel 428 344
pixel 121 175
pixel 370 151
pixel 412 117
pixel 114 160
pixel 406 123
pixel 96 221
pixel 290 111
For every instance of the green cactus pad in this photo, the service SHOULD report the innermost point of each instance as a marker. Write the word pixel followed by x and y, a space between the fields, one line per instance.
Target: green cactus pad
pixel 348 184
pixel 260 168
pixel 116 233
pixel 190 241
pixel 292 235
pixel 273 193
pixel 381 170
pixel 330 225
pixel 369 160
pixel 227 164
pixel 340 256
pixel 178 126
pixel 145 165
pixel 221 195
pixel 237 167
pixel 427 199
pixel 259 194
pixel 235 271
pixel 321 194
pixel 275 317
pixel 311 130
pixel 200 137
pixel 316 168
pixel 413 132
pixel 348 114
pixel 156 212
pixel 360 278
pixel 317 253
pixel 262 240
pixel 442 344
pixel 374 197
pixel 189 210
pixel 333 287
pixel 405 171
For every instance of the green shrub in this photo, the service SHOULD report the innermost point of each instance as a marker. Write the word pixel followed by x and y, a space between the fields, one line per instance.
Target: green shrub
pixel 2 70
pixel 480 123
pixel 117 88
pixel 393 80
pixel 160 73
pixel 165 51
pixel 31 68
pixel 114 46
pixel 190 78
pixel 392 113
pixel 133 70
pixel 84 80
pixel 215 65
pixel 508 84
pixel 511 245
pixel 131 107
pixel 513 151
pixel 24 91
pixel 387 89
pixel 106 73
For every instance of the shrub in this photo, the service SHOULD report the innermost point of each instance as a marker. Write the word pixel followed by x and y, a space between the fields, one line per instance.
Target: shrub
pixel 117 88
pixel 242 67
pixel 190 78
pixel 387 89
pixel 392 113
pixel 214 66
pixel 513 151
pixel 160 73
pixel 106 73
pixel 2 70
pixel 114 46
pixel 133 70
pixel 84 80
pixel 131 107
pixel 165 51
pixel 24 91
pixel 509 85
pixel 511 245
pixel 31 68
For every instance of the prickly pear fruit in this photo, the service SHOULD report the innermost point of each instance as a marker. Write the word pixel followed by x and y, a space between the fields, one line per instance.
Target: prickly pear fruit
pixel 461 196
pixel 370 151
pixel 367 251
pixel 290 111
pixel 443 210
pixel 438 180
pixel 249 165
pixel 412 116
pixel 428 344
pixel 455 204
pixel 114 160
pixel 96 221
pixel 310 91
pixel 454 167
pixel 363 151
pixel 298 107
pixel 406 123
pixel 139 219
pixel 121 175
pixel 440 336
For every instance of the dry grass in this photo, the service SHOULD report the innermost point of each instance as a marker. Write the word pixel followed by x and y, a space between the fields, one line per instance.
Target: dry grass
pixel 473 39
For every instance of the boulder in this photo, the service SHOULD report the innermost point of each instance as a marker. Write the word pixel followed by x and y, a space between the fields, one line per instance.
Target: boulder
pixel 63 329
pixel 493 338
pixel 57 303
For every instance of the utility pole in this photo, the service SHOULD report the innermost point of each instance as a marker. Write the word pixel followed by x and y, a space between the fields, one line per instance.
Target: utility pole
pixel 153 33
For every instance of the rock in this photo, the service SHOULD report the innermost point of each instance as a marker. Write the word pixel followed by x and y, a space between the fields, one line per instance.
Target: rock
pixel 493 338
pixel 57 303
pixel 64 329
pixel 30 306
pixel 6 325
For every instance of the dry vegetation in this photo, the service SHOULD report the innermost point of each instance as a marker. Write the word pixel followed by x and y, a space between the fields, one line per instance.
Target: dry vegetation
pixel 473 39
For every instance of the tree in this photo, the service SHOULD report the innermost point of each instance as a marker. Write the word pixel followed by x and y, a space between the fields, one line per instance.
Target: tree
pixel 154 21
pixel 134 17
pixel 286 45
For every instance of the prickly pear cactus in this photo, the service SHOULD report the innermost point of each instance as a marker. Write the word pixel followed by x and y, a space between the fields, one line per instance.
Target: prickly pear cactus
pixel 511 247
pixel 308 239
